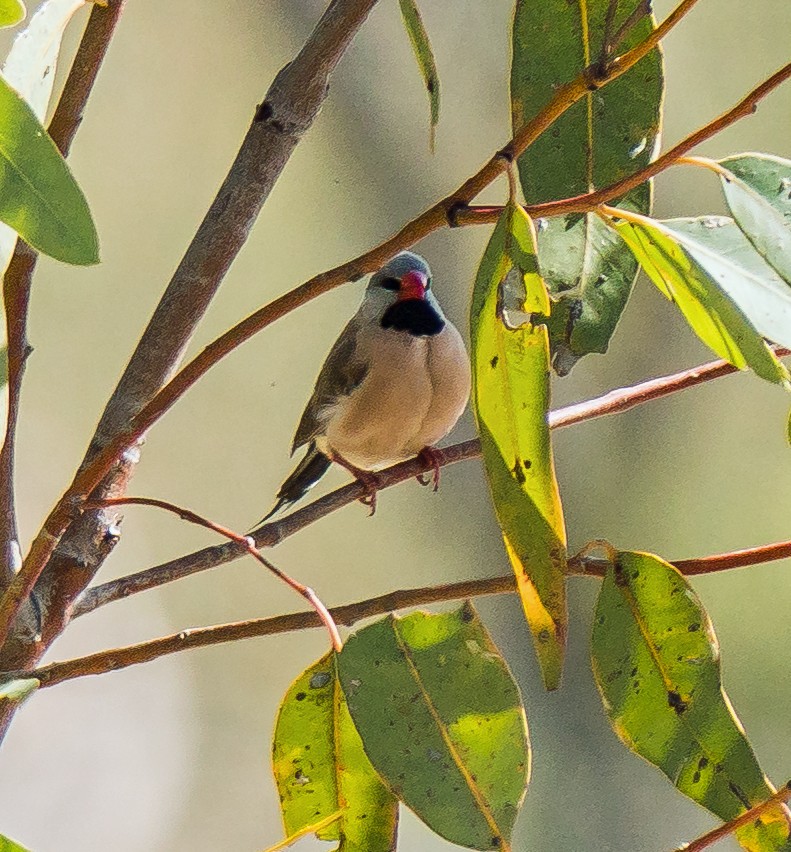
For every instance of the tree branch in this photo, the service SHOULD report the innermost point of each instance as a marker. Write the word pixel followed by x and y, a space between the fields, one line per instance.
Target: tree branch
pixel 18 277
pixel 349 614
pixel 272 533
pixel 289 109
pixel 439 215
pixel 247 544
pixel 722 831
pixel 591 200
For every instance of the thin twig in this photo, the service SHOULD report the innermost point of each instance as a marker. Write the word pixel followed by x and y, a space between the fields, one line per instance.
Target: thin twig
pixel 481 215
pixel 642 10
pixel 440 215
pixel 722 831
pixel 246 542
pixel 279 123
pixel 19 275
pixel 609 26
pixel 274 532
pixel 349 614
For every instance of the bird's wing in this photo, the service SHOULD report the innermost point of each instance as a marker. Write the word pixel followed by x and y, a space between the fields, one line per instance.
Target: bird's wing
pixel 343 371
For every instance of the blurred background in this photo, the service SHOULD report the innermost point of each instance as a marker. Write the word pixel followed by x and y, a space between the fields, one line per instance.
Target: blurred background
pixel 174 755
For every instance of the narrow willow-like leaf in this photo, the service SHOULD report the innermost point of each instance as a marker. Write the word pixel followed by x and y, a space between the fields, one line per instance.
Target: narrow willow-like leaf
pixel 721 248
pixel 673 266
pixel 421 45
pixel 611 133
pixel 442 721
pixel 39 197
pixel 656 662
pixel 7 845
pixel 757 189
pixel 30 69
pixel 19 688
pixel 510 358
pixel 11 12
pixel 320 767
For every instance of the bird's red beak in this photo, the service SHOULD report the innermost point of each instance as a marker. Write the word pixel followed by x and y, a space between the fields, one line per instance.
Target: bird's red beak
pixel 413 286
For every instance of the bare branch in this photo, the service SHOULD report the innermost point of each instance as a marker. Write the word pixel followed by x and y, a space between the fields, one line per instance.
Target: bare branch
pixel 438 216
pixel 288 111
pixel 722 831
pixel 247 544
pixel 272 533
pixel 120 658
pixel 591 200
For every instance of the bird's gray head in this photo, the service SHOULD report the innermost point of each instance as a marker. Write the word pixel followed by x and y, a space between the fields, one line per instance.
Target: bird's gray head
pixel 399 295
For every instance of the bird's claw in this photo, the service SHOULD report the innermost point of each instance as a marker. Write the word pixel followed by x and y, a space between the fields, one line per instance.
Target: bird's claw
pixel 432 457
pixel 370 481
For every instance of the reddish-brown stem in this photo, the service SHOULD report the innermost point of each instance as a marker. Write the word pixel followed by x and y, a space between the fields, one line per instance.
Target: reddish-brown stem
pixel 591 200
pixel 274 532
pixel 119 658
pixel 442 213
pixel 722 831
pixel 245 542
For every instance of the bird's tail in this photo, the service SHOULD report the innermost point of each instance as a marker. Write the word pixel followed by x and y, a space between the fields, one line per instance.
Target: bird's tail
pixel 304 476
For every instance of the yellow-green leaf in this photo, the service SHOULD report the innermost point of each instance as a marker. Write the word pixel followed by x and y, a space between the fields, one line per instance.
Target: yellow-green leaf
pixel 442 721
pixel 657 666
pixel 670 261
pixel 19 688
pixel 510 355
pixel 7 845
pixel 421 45
pixel 11 12
pixel 320 767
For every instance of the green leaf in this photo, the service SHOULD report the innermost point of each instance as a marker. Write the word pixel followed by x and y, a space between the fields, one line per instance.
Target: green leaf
pixel 30 69
pixel 675 264
pixel 511 401
pixel 7 845
pixel 720 247
pixel 3 365
pixel 11 12
pixel 606 136
pixel 757 190
pixel 320 767
pixel 421 45
pixel 656 662
pixel 19 688
pixel 39 198
pixel 442 721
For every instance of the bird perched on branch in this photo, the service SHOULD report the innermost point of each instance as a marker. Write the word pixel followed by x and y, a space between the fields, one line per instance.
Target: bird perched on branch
pixel 395 383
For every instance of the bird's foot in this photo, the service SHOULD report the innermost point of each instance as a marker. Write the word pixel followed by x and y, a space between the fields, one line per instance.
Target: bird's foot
pixel 432 457
pixel 367 478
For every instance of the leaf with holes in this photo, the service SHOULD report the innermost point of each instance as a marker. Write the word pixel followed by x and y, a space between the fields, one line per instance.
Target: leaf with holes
pixel 757 189
pixel 510 356
pixel 320 767
pixel 442 721
pixel 697 280
pixel 11 12
pixel 39 197
pixel 608 135
pixel 421 45
pixel 656 662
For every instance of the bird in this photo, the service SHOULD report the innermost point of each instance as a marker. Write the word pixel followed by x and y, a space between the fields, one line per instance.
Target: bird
pixel 394 384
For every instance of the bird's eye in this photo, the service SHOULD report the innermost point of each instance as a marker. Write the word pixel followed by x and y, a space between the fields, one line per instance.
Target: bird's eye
pixel 391 284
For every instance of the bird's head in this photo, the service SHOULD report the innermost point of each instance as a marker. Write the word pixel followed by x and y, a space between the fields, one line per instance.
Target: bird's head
pixel 399 294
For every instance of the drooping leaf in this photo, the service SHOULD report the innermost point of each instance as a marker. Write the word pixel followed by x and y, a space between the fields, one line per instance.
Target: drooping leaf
pixel 39 197
pixel 30 69
pixel 442 721
pixel 675 264
pixel 421 45
pixel 720 247
pixel 510 358
pixel 11 12
pixel 757 190
pixel 320 767
pixel 656 662
pixel 7 845
pixel 609 134
pixel 19 688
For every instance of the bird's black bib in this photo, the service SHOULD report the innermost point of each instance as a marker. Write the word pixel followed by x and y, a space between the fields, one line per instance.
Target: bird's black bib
pixel 415 316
